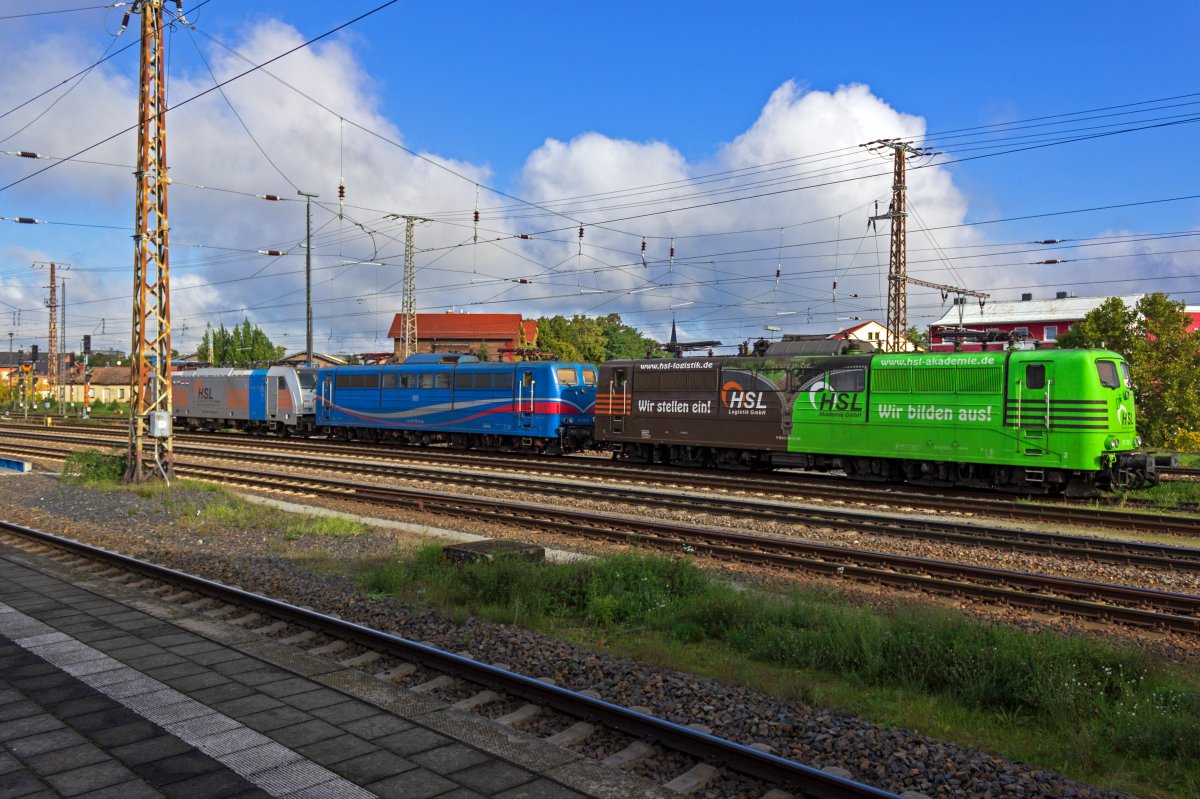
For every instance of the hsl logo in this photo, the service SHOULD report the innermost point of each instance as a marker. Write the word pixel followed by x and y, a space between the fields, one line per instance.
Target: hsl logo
pixel 733 396
pixel 824 398
pixel 203 392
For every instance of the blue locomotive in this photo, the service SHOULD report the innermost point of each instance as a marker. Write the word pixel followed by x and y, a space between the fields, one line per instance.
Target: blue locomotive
pixel 533 406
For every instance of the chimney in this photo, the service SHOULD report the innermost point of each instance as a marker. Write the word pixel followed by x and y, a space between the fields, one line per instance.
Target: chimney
pixel 1026 297
pixel 1062 295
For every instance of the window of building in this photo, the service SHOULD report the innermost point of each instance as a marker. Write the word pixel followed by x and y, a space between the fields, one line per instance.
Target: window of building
pixel 1022 332
pixel 1050 333
pixel 120 393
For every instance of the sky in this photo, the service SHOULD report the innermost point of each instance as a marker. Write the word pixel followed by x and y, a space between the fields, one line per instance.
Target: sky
pixel 710 153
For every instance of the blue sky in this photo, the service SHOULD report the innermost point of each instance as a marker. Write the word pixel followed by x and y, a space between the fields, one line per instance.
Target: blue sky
pixel 544 101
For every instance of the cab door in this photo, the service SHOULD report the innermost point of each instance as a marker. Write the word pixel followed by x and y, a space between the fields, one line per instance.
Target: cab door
pixel 1034 388
pixel 526 385
pixel 325 397
pixel 273 385
pixel 618 391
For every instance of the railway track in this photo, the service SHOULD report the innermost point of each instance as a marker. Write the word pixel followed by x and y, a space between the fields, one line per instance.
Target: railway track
pixel 1172 611
pixel 797 488
pixel 428 670
pixel 1172 558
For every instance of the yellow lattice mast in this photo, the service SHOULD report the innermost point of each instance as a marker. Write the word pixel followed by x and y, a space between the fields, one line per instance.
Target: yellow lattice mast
pixel 151 444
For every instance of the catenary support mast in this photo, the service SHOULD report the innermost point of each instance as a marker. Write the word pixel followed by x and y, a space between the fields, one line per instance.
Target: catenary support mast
pixel 897 312
pixel 151 444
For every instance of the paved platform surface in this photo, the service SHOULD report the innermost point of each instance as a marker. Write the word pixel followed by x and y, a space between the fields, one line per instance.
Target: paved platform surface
pixel 104 696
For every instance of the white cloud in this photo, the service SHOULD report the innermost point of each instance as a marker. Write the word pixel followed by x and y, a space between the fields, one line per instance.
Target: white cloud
pixel 618 188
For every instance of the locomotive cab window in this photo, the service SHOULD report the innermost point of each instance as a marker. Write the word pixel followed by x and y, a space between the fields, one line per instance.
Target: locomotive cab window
pixel 589 376
pixel 567 376
pixel 618 378
pixel 441 380
pixel 408 381
pixel 1107 370
pixel 527 379
pixel 1125 374
pixel 1035 376
pixel 389 380
pixel 849 380
pixel 425 380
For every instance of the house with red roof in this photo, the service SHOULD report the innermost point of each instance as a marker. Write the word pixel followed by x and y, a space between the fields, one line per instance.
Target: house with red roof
pixel 499 334
pixel 1030 320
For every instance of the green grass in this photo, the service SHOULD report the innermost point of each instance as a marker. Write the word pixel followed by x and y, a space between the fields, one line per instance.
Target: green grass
pixel 197 504
pixel 91 467
pixel 1170 494
pixel 226 511
pixel 1108 716
pixel 1189 460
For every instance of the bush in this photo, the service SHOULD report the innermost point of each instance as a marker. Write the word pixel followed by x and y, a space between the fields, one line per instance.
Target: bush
pixel 91 466
pixel 1185 441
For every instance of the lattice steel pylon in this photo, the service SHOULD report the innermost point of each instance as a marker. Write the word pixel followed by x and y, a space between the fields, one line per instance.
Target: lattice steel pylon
pixel 408 303
pixel 52 335
pixel 151 443
pixel 897 313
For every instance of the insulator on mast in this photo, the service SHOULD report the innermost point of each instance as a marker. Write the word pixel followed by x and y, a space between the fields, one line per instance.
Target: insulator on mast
pixel 643 252
pixel 475 235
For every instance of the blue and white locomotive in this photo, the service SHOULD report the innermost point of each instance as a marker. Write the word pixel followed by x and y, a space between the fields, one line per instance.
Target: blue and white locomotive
pixel 534 406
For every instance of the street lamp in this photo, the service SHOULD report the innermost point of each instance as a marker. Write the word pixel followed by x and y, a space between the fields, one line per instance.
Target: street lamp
pixel 308 195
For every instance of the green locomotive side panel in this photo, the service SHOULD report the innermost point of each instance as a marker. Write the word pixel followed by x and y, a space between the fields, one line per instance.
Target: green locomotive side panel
pixel 1039 409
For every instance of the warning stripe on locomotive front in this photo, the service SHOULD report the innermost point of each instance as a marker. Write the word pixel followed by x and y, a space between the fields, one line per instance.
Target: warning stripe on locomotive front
pixel 613 404
pixel 1032 413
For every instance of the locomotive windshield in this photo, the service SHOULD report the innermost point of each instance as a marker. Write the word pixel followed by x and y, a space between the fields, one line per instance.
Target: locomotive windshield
pixel 308 380
pixel 1108 374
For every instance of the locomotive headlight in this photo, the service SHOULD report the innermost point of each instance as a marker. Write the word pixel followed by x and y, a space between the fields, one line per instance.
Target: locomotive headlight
pixel 1111 443
pixel 1137 441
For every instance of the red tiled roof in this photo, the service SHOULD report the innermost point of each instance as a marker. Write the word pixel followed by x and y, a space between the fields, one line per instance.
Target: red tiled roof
pixel 466 327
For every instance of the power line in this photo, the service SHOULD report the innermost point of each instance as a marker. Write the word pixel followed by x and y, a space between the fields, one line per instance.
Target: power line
pixel 209 90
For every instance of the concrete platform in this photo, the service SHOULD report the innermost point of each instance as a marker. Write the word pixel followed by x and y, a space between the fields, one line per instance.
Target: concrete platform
pixel 104 695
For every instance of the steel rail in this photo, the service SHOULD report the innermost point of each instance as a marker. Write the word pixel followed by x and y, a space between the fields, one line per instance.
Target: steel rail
pixel 807 486
pixel 1089 548
pixel 1079 597
pixel 708 748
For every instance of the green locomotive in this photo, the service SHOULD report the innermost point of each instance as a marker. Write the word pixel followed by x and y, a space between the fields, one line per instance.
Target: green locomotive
pixel 1036 421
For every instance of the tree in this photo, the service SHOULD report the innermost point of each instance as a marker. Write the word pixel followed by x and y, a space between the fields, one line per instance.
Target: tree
pixel 584 338
pixel 1163 355
pixel 244 345
pixel 917 337
pixel 1111 327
